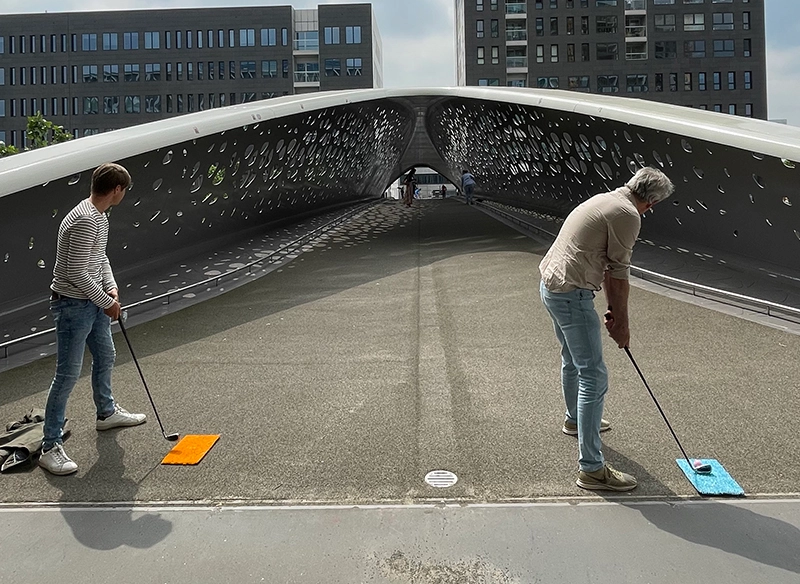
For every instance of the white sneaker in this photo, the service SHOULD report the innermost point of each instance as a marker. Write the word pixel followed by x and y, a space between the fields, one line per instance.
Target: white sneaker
pixel 57 462
pixel 121 418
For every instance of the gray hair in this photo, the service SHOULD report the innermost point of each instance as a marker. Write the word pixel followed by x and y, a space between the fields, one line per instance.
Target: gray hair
pixel 650 185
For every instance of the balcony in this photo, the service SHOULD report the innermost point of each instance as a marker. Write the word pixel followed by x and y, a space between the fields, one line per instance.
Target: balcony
pixel 516 8
pixel 516 35
pixel 636 31
pixel 635 5
pixel 516 62
pixel 306 76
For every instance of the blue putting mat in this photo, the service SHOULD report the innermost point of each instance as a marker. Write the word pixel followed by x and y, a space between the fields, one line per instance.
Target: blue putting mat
pixel 718 482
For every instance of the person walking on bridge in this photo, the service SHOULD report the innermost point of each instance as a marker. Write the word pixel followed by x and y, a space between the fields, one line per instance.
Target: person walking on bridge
pixel 84 301
pixel 593 251
pixel 467 185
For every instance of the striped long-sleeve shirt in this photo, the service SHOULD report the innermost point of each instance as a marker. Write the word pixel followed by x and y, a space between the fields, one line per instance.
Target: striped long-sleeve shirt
pixel 82 268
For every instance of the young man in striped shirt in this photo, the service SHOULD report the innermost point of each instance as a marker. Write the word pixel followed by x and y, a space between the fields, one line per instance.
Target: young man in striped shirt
pixel 84 301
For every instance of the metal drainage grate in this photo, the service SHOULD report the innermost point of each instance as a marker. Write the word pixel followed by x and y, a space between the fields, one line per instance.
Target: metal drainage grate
pixel 441 479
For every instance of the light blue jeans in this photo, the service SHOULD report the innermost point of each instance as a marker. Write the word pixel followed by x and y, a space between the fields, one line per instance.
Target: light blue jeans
pixel 584 377
pixel 79 323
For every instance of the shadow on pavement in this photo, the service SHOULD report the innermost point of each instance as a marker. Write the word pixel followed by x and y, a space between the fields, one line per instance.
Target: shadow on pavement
pixel 108 529
pixel 730 528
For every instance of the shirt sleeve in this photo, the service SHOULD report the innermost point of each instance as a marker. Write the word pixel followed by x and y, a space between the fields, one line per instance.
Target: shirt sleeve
pixel 622 233
pixel 109 283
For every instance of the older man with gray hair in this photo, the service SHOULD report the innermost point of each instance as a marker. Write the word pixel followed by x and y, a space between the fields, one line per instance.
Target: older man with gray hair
pixel 593 251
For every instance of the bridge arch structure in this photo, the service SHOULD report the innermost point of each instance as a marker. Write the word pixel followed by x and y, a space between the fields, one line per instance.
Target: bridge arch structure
pixel 215 175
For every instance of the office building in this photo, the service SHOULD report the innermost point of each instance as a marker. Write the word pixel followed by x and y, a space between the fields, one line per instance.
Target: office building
pixel 707 54
pixel 96 71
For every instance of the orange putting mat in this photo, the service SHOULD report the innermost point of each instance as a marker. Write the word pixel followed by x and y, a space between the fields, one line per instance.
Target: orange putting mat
pixel 191 449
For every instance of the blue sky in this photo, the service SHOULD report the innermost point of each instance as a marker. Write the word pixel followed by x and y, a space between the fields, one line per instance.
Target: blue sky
pixel 419 44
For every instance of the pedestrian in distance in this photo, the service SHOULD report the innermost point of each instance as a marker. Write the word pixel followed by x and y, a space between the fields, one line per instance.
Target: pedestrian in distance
pixel 84 300
pixel 593 251
pixel 467 185
pixel 444 191
pixel 410 182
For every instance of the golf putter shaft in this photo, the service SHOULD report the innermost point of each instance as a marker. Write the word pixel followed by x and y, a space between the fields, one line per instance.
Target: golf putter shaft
pixel 170 437
pixel 702 468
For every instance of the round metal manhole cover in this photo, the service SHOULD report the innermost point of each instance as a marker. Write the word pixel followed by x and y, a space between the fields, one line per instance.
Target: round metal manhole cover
pixel 441 479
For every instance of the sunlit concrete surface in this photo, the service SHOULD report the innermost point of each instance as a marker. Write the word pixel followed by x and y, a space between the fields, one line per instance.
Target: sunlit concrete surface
pixel 406 341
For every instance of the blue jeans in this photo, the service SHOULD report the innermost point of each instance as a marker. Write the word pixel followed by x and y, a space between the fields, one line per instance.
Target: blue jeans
pixel 468 190
pixel 79 323
pixel 584 377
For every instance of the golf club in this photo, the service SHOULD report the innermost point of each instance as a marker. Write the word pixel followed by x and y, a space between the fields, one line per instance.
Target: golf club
pixel 696 464
pixel 170 437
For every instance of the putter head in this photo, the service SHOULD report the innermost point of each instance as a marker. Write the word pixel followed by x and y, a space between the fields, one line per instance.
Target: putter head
pixel 700 467
pixel 172 437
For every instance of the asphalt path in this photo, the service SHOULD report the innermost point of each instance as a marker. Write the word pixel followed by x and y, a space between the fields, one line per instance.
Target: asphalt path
pixel 414 340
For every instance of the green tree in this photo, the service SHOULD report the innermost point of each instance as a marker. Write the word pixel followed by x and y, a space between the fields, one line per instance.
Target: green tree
pixel 42 132
pixel 7 150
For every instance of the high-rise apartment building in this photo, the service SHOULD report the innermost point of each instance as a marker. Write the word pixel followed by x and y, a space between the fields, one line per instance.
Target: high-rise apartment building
pixel 95 71
pixel 707 54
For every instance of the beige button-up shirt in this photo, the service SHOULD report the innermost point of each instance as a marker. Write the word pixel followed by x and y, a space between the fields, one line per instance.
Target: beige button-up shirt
pixel 597 236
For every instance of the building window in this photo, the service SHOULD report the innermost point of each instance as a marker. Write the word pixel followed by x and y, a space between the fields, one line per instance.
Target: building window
pixel 723 48
pixel 585 52
pixel 694 21
pixel 540 27
pixel 132 72
pixel 659 81
pixel 717 80
pixel 745 21
pixel 90 73
pixel 479 5
pixel 91 106
pixel 606 25
pixel 152 72
pixel 111 104
pixel 152 40
pixel 152 104
pixel 607 52
pixel 178 71
pixel 696 49
pixel 247 69
pixel 731 79
pixel 718 108
pixel 2 108
pixel 746 52
pixel 493 82
pixel 269 37
pixel 493 4
pixel 665 22
pixel 232 69
pixel 605 3
pixel 130 41
pixel 540 53
pixel 554 53
pixel 722 21
pixel 570 25
pixel 247 37
pixel 132 104
pixel 354 66
pixel 352 35
pixel 333 67
pixel 553 26
pixel 584 25
pixel 495 28
pixel 547 82
pixel 110 41
pixel 189 71
pixel 2 76
pixel 687 81
pixel 332 35
pixel 284 36
pixel 666 50
pixel 701 81
pixel 210 39
pixel 479 28
pixel 88 42
pixel 481 55
pixel 570 53
pixel 578 83
pixel 269 68
pixel 748 110
pixel 732 109
pixel 169 103
pixel 673 82
pixel 636 83
pixel 607 84
pixel 748 80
